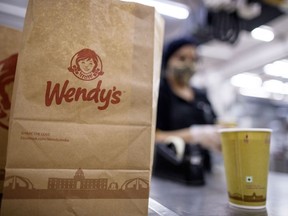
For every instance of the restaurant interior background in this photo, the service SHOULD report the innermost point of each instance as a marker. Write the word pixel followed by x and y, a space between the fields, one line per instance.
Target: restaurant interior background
pixel 244 68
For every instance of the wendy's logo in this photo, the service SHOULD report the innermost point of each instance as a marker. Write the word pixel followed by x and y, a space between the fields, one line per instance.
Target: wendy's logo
pixel 86 65
pixel 7 75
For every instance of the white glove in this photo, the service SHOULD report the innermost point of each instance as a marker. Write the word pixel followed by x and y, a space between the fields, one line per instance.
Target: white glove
pixel 179 145
pixel 206 135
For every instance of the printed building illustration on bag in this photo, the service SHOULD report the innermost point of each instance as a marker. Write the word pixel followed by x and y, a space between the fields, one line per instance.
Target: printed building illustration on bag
pixel 78 182
pixel 78 187
pixel 247 198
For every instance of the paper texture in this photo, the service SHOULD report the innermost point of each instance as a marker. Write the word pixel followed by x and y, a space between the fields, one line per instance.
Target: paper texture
pixel 83 114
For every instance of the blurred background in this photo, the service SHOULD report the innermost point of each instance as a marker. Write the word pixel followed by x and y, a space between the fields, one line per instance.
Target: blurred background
pixel 243 58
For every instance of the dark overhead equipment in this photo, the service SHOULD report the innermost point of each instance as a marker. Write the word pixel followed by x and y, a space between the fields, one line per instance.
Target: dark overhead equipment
pixel 225 25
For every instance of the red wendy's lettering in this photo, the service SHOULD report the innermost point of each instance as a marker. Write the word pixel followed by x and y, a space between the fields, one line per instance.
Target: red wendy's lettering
pixel 67 94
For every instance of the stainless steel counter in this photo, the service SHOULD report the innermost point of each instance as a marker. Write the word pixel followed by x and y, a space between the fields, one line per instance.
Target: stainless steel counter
pixel 168 198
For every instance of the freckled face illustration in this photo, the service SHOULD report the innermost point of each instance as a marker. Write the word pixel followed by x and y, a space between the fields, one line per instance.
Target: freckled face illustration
pixel 86 65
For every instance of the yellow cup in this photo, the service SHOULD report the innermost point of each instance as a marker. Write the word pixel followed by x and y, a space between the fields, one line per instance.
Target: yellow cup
pixel 246 161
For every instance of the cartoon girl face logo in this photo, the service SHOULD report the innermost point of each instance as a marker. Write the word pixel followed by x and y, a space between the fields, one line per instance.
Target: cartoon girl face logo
pixel 7 74
pixel 86 65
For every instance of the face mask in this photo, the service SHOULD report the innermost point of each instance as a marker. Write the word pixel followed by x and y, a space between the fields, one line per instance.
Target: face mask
pixel 183 74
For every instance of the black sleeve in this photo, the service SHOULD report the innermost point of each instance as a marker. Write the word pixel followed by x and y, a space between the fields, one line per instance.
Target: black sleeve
pixel 212 112
pixel 207 108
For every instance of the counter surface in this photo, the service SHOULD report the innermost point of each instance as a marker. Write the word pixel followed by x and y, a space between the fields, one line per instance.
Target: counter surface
pixel 168 198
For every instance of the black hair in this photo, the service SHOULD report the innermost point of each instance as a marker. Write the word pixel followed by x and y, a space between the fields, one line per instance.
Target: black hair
pixel 173 46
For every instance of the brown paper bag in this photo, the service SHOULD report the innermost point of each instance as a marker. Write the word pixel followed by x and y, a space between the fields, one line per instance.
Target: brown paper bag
pixel 83 110
pixel 9 47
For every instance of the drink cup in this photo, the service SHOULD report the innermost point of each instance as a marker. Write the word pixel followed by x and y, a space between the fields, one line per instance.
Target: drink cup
pixel 246 161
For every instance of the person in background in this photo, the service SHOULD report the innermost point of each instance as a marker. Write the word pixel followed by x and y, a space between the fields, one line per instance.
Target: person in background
pixel 183 111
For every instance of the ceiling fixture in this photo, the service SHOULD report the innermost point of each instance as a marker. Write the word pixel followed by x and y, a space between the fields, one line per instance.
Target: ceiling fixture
pixel 274 86
pixel 258 93
pixel 12 10
pixel 166 7
pixel 246 80
pixel 251 85
pixel 263 33
pixel 278 68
